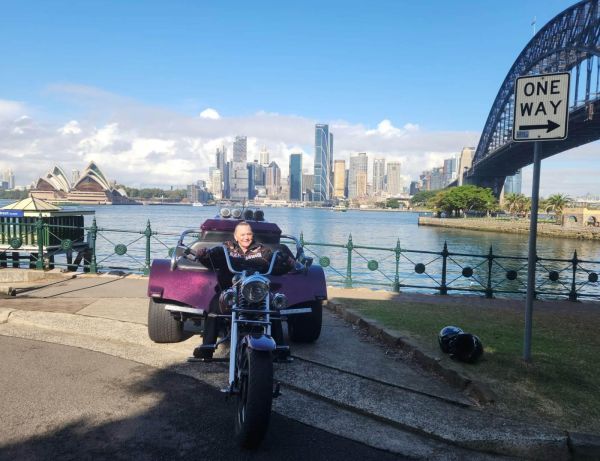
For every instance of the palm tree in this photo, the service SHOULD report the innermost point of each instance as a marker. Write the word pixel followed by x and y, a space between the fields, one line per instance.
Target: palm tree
pixel 511 201
pixel 557 203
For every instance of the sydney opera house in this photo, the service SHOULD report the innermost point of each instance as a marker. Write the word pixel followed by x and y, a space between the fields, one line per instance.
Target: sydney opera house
pixel 91 188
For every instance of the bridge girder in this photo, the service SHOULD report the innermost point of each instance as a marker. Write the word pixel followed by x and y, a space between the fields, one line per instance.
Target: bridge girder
pixel 567 43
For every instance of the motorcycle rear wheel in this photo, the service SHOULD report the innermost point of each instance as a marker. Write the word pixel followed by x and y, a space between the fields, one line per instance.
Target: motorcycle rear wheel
pixel 255 397
pixel 162 326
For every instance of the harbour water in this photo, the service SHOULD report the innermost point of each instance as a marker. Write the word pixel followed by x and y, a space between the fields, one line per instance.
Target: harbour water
pixel 367 228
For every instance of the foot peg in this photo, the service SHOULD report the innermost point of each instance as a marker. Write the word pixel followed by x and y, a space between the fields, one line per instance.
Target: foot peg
pixel 204 352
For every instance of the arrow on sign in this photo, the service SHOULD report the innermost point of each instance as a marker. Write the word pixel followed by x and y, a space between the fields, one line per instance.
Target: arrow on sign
pixel 550 126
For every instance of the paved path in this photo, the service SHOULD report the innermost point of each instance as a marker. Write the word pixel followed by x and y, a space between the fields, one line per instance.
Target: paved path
pixel 346 383
pixel 67 403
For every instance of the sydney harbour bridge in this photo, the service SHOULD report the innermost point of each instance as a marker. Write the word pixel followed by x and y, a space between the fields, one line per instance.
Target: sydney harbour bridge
pixel 568 43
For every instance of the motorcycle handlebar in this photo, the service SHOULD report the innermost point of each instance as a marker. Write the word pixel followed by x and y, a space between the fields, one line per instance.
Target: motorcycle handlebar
pixel 233 271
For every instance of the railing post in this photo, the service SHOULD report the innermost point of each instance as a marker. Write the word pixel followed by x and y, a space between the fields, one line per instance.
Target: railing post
pixel 93 233
pixel 489 292
pixel 302 239
pixel 398 251
pixel 148 234
pixel 349 246
pixel 39 230
pixel 573 292
pixel 443 288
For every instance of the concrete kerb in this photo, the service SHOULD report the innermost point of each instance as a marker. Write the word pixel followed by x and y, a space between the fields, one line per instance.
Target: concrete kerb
pixel 479 392
pixel 581 446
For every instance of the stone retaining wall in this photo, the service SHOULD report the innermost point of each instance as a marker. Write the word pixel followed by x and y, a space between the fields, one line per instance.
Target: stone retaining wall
pixel 517 226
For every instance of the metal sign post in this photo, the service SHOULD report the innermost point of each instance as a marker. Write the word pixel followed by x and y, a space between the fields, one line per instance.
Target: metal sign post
pixel 532 254
pixel 541 114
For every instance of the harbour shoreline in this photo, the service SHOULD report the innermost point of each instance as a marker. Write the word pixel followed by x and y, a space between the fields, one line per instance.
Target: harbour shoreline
pixel 516 226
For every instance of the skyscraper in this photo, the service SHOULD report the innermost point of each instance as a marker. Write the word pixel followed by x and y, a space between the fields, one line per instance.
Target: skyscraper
pixel 273 180
pixel 512 184
pixel 264 157
pixel 323 163
pixel 238 174
pixel 339 178
pixel 394 180
pixel 449 170
pixel 465 160
pixel 296 177
pixel 221 158
pixel 378 175
pixel 357 176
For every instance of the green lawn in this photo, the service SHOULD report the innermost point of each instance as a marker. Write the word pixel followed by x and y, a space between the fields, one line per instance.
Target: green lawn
pixel 560 385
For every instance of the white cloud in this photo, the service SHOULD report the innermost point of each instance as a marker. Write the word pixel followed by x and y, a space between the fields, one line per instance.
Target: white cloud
pixel 10 109
pixel 142 145
pixel 71 127
pixel 210 113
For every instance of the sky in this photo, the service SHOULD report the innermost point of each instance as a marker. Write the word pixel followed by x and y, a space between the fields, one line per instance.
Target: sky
pixel 149 89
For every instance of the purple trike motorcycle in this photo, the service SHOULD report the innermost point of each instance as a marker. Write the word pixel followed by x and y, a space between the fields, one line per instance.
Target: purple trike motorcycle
pixel 244 308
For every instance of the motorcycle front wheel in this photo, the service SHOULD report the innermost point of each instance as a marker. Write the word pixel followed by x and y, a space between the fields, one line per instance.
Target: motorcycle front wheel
pixel 255 397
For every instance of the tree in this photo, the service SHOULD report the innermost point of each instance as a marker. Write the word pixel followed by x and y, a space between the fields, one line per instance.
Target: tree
pixel 422 198
pixel 557 203
pixel 465 198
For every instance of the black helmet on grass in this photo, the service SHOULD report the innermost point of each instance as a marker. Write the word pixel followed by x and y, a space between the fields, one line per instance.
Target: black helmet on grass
pixel 446 335
pixel 466 347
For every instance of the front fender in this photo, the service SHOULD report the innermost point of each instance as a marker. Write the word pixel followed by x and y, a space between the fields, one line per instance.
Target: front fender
pixel 195 289
pixel 301 287
pixel 259 343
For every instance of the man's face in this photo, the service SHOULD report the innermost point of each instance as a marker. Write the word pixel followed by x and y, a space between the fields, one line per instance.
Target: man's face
pixel 243 235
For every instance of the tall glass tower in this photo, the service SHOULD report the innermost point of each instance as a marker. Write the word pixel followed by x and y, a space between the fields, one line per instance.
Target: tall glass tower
pixel 323 163
pixel 296 177
pixel 512 184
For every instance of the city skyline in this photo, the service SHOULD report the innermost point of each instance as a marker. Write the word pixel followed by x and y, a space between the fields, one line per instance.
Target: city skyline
pixel 152 110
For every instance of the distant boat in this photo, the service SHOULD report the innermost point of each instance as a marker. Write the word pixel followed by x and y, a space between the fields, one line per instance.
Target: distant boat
pixel 339 208
pixel 197 204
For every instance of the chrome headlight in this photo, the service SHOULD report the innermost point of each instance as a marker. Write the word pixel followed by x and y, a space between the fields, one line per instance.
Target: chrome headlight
pixel 225 212
pixel 236 213
pixel 279 301
pixel 255 289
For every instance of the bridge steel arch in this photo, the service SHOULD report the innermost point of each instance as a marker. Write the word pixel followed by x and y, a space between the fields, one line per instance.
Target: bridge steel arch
pixel 568 43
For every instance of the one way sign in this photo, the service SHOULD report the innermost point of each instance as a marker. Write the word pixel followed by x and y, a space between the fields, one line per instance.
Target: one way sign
pixel 541 107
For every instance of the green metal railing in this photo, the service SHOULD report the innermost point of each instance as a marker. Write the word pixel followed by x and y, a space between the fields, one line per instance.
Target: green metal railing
pixel 401 269
pixel 348 264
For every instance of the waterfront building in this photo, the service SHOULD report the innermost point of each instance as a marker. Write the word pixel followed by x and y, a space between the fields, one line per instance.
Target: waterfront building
pixel 251 179
pixel 221 158
pixel 8 179
pixel 238 174
pixel 259 173
pixel 465 161
pixel 378 175
pixel 91 188
pixel 198 193
pixel 323 168
pixel 308 184
pixel 273 180
pixel 414 188
pixel 339 179
pixel 436 180
pixel 449 171
pixel 216 181
pixel 295 179
pixel 394 179
pixel 357 176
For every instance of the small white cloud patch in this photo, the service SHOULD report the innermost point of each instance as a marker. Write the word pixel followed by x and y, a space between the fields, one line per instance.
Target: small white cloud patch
pixel 210 114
